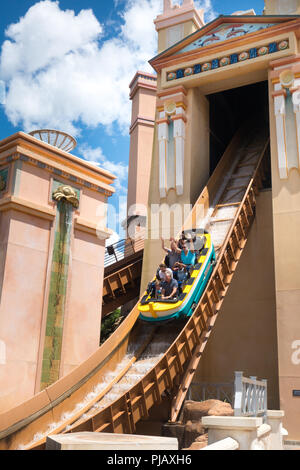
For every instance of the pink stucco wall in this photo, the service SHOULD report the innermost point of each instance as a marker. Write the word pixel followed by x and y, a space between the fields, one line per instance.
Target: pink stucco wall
pixel 27 223
pixel 24 256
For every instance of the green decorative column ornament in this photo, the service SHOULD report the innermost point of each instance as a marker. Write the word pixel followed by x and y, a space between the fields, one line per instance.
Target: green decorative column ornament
pixel 67 200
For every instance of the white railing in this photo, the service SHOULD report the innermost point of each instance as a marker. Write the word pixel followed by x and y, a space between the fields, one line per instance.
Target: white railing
pixel 250 396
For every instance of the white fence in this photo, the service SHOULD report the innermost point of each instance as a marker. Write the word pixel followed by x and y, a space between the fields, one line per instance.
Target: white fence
pixel 250 396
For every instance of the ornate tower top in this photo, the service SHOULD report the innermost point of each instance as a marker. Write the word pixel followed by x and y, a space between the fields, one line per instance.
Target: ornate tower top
pixel 176 22
pixel 282 7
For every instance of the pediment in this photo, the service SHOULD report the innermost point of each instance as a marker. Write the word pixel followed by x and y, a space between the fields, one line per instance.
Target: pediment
pixel 225 30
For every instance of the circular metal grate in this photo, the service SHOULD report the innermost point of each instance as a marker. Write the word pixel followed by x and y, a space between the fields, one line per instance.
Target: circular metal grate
pixel 58 139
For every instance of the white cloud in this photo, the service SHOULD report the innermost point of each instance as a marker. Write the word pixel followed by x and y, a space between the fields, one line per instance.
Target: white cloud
pixel 60 74
pixel 209 12
pixel 117 204
pixel 46 35
pixel 138 29
pixel 117 213
pixel 96 156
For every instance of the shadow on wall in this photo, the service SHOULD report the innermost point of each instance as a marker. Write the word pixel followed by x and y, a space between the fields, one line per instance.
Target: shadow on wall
pixel 227 114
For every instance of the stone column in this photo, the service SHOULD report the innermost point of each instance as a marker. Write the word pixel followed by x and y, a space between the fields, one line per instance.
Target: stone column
pixel 279 108
pixel 179 137
pixel 286 225
pixel 241 429
pixel 274 419
pixel 171 141
pixel 250 433
pixel 162 132
pixel 286 97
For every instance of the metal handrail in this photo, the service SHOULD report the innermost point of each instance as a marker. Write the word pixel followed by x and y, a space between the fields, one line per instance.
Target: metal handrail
pixel 203 391
pixel 121 250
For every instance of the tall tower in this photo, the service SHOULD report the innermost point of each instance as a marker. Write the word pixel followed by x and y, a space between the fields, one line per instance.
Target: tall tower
pixel 143 96
pixel 177 22
pixel 282 7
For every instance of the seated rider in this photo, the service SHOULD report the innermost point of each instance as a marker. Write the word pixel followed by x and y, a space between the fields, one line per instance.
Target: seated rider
pixel 157 289
pixel 154 286
pixel 173 256
pixel 162 270
pixel 187 255
pixel 189 239
pixel 179 272
pixel 169 287
pixel 181 241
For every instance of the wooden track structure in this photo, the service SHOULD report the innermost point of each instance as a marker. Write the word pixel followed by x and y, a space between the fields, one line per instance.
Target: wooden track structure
pixel 179 362
pixel 122 279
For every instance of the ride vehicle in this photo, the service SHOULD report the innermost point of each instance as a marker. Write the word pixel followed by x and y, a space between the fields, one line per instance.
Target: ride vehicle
pixel 157 310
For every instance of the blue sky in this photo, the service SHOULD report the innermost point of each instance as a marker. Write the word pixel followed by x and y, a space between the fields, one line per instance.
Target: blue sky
pixel 68 65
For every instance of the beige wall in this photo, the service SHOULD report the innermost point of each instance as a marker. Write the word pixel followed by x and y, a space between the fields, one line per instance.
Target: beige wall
pixel 244 336
pixel 189 27
pixel 280 7
pixel 24 258
pixel 196 173
pixel 199 143
pixel 286 220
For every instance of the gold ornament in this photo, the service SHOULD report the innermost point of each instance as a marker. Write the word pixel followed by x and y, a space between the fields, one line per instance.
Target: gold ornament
pixel 170 107
pixel 287 78
pixel 67 193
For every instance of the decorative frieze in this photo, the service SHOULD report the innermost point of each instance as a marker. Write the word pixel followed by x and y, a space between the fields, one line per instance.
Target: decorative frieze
pixel 56 171
pixel 224 32
pixel 220 62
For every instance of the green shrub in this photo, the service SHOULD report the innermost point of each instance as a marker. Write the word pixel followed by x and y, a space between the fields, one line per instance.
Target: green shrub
pixel 110 323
